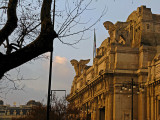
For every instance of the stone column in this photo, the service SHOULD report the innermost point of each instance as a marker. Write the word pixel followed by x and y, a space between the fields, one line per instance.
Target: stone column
pixel 94 114
pixel 106 107
pixel 110 107
pixel 141 107
pixel 149 71
pixel 153 70
pixel 148 104
pixel 95 111
pixel 152 104
pixel 156 109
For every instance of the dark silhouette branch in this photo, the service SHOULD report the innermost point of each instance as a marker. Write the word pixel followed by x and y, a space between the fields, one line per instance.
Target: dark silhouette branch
pixel 11 21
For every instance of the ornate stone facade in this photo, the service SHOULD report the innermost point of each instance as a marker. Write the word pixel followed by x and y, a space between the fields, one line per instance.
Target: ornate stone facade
pixel 131 52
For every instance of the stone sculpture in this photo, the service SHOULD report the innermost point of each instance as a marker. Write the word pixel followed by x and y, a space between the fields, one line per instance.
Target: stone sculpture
pixel 79 66
pixel 117 32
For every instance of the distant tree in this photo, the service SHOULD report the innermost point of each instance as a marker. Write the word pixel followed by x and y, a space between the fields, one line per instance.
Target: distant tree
pixel 73 113
pixel 37 113
pixel 59 111
pixel 27 34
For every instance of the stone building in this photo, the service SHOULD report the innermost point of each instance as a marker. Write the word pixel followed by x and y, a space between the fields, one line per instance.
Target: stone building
pixel 103 91
pixel 8 112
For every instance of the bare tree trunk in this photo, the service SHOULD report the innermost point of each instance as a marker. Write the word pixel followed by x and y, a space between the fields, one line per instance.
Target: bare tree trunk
pixel 42 44
pixel 11 22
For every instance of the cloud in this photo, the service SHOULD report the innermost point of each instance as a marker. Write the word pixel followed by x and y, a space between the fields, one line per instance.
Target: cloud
pixel 61 66
pixel 62 74
pixel 60 60
pixel 57 60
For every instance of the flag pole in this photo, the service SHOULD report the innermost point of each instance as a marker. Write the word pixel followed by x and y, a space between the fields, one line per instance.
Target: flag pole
pixel 94 46
pixel 50 71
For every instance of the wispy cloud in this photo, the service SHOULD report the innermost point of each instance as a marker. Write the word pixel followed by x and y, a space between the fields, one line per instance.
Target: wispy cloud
pixel 60 60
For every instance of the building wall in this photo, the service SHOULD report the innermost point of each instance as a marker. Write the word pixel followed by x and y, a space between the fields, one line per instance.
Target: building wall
pixel 131 52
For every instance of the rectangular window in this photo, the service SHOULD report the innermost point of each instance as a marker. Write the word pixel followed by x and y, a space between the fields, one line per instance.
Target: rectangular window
pixel 102 113
pixel 147 26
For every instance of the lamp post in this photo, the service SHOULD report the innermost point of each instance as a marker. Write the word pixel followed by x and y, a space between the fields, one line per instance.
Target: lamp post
pixel 57 91
pixel 50 71
pixel 131 86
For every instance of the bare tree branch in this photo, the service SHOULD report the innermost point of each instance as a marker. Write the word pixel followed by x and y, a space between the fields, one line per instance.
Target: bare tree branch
pixel 4 7
pixel 29 40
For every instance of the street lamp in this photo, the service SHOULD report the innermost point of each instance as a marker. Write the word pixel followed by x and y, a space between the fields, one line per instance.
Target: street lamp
pixel 130 86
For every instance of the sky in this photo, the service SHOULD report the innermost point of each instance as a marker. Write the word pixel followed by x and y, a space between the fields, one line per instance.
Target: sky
pixel 36 72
